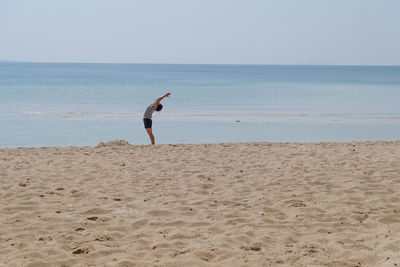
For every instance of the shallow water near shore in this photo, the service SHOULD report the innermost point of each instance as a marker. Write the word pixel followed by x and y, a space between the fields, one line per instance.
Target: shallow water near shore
pixel 83 104
pixel 44 132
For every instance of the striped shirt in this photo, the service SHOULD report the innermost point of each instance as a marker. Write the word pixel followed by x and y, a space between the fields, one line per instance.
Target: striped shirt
pixel 149 111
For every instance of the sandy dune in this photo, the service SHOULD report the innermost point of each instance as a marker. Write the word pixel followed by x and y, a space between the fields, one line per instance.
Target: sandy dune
pixel 247 204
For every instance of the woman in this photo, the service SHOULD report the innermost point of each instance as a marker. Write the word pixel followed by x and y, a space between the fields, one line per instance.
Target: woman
pixel 156 106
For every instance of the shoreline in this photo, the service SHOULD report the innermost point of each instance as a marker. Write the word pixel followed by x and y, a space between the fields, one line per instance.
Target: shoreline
pixel 121 143
pixel 223 204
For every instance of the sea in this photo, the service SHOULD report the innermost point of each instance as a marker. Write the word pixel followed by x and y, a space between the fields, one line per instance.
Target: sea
pixel 68 104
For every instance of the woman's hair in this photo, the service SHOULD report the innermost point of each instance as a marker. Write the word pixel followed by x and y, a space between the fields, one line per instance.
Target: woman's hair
pixel 159 107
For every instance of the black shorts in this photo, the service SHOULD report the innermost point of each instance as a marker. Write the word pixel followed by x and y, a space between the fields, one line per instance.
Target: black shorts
pixel 147 123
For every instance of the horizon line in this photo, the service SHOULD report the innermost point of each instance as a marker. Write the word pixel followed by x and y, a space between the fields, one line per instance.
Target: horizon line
pixel 217 64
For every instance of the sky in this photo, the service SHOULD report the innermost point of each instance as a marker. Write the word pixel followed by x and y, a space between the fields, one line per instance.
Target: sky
pixel 332 32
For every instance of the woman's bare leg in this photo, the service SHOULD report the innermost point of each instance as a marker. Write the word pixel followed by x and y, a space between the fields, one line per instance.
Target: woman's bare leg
pixel 150 132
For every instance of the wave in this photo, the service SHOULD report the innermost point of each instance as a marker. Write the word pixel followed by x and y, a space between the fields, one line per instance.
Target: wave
pixel 208 115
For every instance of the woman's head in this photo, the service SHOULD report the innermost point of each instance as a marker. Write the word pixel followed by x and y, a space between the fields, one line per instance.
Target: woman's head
pixel 159 107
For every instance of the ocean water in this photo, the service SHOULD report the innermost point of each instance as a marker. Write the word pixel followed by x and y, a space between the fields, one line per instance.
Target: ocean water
pixel 48 104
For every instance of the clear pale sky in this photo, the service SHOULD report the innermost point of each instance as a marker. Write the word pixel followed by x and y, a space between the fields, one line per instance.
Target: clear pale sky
pixel 341 32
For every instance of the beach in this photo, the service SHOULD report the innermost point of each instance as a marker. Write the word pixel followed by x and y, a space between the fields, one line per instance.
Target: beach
pixel 227 204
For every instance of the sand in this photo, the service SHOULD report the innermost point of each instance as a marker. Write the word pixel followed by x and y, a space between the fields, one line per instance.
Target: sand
pixel 245 204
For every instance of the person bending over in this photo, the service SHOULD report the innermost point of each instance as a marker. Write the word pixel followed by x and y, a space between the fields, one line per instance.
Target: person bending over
pixel 156 106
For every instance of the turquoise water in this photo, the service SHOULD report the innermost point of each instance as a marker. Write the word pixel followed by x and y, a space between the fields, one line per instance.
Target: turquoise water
pixel 43 104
